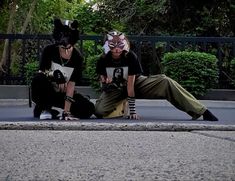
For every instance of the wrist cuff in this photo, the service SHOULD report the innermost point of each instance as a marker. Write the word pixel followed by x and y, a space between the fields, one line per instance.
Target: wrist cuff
pixel 69 99
pixel 131 102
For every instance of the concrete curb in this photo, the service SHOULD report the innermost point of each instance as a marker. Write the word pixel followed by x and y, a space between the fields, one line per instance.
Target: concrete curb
pixel 90 126
pixel 14 102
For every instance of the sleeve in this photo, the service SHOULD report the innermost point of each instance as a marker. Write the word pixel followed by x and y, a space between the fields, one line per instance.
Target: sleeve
pixel 77 72
pixel 134 67
pixel 100 66
pixel 45 60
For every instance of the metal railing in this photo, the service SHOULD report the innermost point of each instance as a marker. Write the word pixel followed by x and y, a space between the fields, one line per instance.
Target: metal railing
pixel 222 47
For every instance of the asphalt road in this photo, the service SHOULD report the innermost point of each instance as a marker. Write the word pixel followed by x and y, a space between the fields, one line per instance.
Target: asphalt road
pixel 43 155
pixel 148 112
pixel 67 153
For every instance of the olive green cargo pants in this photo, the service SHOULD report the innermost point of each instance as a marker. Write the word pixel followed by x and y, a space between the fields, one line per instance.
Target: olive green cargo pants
pixel 152 87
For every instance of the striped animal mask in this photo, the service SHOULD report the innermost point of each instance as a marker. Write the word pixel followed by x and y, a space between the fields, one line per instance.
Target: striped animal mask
pixel 116 40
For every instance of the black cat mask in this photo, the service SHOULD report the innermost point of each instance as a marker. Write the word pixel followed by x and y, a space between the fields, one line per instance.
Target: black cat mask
pixel 65 32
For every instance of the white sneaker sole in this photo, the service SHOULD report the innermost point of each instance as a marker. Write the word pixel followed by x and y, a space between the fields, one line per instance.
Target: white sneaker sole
pixel 44 117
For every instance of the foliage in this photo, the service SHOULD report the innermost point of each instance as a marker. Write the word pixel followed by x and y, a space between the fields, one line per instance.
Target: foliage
pixel 138 17
pixel 195 71
pixel 90 59
pixel 15 66
pixel 30 69
pixel 4 17
pixel 91 72
pixel 47 10
pixel 90 20
pixel 174 17
pixel 152 17
pixel 232 70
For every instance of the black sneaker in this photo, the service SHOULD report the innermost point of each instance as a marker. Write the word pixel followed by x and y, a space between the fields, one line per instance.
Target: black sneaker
pixel 207 115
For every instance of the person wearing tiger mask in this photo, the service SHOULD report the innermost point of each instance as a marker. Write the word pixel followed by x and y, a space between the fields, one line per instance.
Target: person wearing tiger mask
pixel 118 58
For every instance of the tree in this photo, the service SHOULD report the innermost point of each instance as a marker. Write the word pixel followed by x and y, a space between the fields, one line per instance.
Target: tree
pixel 12 8
pixel 22 22
pixel 174 17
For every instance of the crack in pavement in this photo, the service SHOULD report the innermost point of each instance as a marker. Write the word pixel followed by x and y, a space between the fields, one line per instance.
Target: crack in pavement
pixel 214 136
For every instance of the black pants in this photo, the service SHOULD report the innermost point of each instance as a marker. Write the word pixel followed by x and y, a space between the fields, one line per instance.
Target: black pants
pixel 45 97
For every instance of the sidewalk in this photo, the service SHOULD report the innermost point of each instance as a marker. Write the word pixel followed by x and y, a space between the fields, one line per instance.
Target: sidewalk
pixel 164 145
pixel 117 155
pixel 139 102
pixel 157 115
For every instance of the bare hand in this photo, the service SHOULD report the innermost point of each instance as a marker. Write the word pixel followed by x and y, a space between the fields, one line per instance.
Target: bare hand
pixel 62 87
pixel 134 116
pixel 108 80
pixel 67 116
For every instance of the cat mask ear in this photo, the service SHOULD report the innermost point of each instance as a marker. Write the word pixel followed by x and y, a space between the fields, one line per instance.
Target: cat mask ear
pixel 74 24
pixel 57 24
pixel 70 24
pixel 65 32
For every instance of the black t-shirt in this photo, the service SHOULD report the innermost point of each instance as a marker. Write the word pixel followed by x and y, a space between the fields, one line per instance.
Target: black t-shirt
pixel 129 60
pixel 51 60
pixel 119 69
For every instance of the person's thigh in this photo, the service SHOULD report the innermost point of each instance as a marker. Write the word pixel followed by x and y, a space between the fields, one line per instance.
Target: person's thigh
pixel 151 87
pixel 108 102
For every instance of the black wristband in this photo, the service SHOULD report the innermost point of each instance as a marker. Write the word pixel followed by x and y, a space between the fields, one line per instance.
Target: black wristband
pixel 69 99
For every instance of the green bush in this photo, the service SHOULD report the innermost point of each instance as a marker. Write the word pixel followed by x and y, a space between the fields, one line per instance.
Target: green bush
pixel 89 64
pixel 232 70
pixel 91 72
pixel 195 71
pixel 30 69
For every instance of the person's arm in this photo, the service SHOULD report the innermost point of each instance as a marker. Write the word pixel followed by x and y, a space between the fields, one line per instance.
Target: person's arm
pixel 75 78
pixel 131 96
pixel 68 101
pixel 69 95
pixel 130 86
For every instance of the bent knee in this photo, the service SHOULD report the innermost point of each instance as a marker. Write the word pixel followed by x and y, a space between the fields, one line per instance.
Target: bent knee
pixel 166 79
pixel 99 111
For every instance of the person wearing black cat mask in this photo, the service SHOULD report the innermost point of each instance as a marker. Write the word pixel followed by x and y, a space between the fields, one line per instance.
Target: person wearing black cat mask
pixel 59 71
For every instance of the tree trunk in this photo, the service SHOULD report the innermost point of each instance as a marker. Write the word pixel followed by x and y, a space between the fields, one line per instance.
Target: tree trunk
pixel 28 17
pixel 9 30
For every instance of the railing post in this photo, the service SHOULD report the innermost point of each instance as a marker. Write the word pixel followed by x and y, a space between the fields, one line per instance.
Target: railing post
pixel 8 58
pixel 22 72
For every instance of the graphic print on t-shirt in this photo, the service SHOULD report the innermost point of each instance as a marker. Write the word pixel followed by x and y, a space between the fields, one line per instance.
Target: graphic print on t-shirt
pixel 118 75
pixel 67 71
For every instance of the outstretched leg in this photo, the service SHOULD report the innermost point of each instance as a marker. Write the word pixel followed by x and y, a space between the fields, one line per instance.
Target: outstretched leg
pixel 161 86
